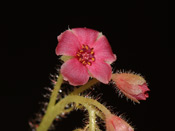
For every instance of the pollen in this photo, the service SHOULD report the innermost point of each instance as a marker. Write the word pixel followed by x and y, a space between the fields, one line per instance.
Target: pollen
pixel 86 55
pixel 89 63
pixel 81 51
pixel 87 47
pixel 84 62
pixel 78 54
pixel 93 59
pixel 83 46
pixel 80 59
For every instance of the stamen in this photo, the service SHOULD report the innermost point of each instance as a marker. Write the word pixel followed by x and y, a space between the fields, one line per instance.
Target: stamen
pixel 84 62
pixel 87 47
pixel 78 54
pixel 93 59
pixel 86 55
pixel 80 59
pixel 81 51
pixel 83 46
pixel 89 63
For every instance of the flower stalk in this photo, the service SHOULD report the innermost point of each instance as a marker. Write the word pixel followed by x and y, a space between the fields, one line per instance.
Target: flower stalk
pixel 86 53
pixel 55 109
pixel 80 100
pixel 55 92
pixel 92 119
pixel 58 109
pixel 88 85
pixel 49 116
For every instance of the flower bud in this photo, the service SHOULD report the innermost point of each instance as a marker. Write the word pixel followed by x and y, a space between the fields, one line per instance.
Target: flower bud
pixel 131 85
pixel 115 123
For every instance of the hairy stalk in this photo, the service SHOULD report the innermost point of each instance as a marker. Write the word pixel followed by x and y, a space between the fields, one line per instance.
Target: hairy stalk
pixel 47 119
pixel 93 112
pixel 80 100
pixel 60 108
pixel 85 87
pixel 98 112
pixel 92 119
pixel 55 91
pixel 55 109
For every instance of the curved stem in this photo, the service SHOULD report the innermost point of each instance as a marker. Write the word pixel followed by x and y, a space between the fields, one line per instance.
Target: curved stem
pixel 56 109
pixel 60 108
pixel 98 113
pixel 84 87
pixel 80 100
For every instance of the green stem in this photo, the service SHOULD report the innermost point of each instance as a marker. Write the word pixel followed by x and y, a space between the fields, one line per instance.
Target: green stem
pixel 79 100
pixel 84 87
pixel 60 108
pixel 49 116
pixel 54 110
pixel 93 112
pixel 55 92
pixel 92 119
pixel 98 112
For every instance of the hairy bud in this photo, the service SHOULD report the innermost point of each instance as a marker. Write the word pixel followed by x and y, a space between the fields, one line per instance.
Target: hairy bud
pixel 115 123
pixel 131 85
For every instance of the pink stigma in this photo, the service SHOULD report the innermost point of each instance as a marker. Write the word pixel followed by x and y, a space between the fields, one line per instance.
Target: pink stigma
pixel 86 55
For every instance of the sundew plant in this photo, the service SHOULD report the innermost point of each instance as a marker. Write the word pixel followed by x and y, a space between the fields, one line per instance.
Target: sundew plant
pixel 86 57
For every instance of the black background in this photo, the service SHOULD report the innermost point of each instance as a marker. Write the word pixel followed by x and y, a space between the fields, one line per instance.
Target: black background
pixel 138 34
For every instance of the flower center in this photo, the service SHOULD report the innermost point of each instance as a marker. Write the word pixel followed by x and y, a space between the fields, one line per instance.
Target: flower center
pixel 86 55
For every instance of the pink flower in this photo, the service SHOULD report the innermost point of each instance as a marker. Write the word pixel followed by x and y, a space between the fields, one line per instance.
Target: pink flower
pixel 133 86
pixel 115 123
pixel 91 55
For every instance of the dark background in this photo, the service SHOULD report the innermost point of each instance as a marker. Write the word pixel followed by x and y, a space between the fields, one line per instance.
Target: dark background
pixel 138 34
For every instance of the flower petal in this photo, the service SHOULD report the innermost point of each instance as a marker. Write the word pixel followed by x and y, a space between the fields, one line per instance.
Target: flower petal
pixel 101 71
pixel 86 36
pixel 68 44
pixel 74 72
pixel 103 50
